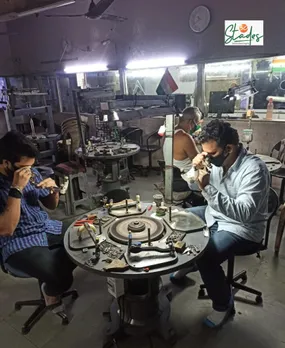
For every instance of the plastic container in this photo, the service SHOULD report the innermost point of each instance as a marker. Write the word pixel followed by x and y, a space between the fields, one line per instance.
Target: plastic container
pixel 270 108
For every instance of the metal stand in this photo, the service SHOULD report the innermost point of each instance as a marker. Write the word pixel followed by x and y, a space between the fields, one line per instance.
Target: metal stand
pixel 18 118
pixel 143 310
pixel 77 112
pixel 169 133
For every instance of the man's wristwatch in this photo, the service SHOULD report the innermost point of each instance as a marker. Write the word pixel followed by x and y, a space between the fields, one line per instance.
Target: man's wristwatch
pixel 15 192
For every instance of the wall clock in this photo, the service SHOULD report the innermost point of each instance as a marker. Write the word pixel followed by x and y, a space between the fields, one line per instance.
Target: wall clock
pixel 200 19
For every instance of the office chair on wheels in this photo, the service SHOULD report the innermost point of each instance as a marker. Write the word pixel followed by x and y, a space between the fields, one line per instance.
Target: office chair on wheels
pixel 40 305
pixel 238 281
pixel 278 152
pixel 132 135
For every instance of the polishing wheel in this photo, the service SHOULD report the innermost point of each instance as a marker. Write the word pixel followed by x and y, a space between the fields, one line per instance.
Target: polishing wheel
pixel 138 226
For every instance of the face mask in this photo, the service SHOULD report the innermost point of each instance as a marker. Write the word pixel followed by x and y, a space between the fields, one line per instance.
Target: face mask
pixel 218 160
pixel 192 131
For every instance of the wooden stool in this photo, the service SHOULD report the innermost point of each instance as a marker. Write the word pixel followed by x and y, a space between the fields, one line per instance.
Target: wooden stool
pixel 280 229
pixel 74 195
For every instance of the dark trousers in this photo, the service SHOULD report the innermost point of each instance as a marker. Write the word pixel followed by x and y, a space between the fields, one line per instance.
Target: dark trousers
pixel 50 265
pixel 222 245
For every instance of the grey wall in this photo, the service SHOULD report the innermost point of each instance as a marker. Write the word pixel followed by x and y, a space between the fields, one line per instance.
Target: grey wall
pixel 155 28
pixel 6 61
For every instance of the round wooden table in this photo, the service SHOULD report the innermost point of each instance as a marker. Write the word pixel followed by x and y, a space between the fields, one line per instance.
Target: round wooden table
pixel 271 162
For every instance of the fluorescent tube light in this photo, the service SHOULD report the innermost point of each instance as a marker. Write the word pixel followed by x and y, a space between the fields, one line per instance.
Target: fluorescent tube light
pixel 155 63
pixel 152 73
pixel 75 69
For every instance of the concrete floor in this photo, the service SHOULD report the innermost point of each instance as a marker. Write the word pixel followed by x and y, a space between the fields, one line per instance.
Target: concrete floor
pixel 252 326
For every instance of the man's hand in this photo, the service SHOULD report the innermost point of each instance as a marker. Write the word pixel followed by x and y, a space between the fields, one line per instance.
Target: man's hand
pixel 204 180
pixel 22 177
pixel 199 160
pixel 48 184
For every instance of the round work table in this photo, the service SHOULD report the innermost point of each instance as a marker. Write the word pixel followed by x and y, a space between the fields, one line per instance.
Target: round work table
pixel 271 162
pixel 114 157
pixel 133 247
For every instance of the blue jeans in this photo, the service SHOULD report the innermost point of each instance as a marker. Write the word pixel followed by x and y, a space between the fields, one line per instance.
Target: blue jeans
pixel 222 245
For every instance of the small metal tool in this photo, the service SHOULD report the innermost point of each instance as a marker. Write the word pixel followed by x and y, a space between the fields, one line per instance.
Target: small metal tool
pixel 148 236
pixel 130 242
pixel 187 251
pixel 100 226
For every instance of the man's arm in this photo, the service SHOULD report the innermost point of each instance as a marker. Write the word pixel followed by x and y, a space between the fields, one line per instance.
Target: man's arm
pixel 10 207
pixel 51 201
pixel 190 146
pixel 250 197
pixel 47 196
pixel 10 217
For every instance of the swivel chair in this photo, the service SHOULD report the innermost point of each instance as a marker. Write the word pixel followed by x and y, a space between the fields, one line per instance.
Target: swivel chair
pixel 40 305
pixel 233 280
pixel 152 145
pixel 279 173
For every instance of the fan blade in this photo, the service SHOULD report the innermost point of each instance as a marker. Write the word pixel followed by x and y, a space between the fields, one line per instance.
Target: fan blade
pixel 103 5
pixel 109 17
pixel 66 16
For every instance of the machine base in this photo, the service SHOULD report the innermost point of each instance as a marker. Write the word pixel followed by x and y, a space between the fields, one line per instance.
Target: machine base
pixel 143 310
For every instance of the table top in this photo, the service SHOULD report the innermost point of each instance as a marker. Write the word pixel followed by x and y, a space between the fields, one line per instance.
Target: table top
pixel 271 162
pixel 110 151
pixel 80 258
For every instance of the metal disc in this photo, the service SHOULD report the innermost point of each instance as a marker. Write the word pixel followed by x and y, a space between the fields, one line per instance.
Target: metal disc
pixel 186 222
pixel 138 226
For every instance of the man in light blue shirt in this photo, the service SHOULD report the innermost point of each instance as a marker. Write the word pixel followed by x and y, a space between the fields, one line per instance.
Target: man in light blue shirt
pixel 237 192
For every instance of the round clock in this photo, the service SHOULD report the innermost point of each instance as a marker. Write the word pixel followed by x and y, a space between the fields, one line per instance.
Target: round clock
pixel 200 19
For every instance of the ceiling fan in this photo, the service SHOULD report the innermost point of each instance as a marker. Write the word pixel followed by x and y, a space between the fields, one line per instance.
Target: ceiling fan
pixel 96 11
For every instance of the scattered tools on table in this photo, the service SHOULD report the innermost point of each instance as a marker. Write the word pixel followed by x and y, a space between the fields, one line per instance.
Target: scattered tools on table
pixel 82 228
pixel 79 223
pixel 180 247
pixel 176 236
pixel 104 201
pixel 116 266
pixel 130 242
pixel 161 211
pixel 192 249
pixel 149 237
pixel 111 251
pixel 138 200
pixel 100 226
pixel 137 248
pixel 128 203
pixel 95 240
pixel 158 199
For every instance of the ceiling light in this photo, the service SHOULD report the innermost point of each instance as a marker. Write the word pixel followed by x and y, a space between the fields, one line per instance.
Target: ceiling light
pixel 75 69
pixel 151 73
pixel 155 63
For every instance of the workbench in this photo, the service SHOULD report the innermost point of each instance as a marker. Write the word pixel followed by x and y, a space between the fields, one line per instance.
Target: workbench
pixel 114 156
pixel 143 303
